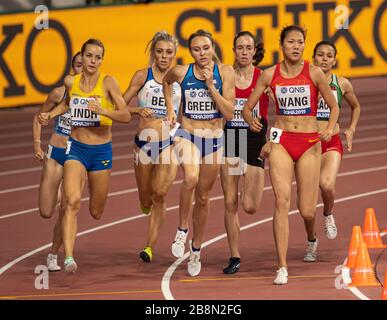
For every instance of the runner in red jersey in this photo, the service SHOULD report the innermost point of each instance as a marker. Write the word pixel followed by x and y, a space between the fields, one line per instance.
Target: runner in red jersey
pixel 242 145
pixel 294 146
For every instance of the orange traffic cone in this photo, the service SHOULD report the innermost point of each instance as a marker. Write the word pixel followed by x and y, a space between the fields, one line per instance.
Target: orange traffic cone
pixel 363 273
pixel 384 290
pixel 356 238
pixel 371 233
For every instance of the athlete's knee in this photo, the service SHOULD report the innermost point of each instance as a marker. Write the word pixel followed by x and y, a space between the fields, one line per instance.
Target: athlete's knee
pixel 231 205
pixel 46 213
pixel 282 201
pixel 96 212
pixel 249 207
pixel 190 181
pixel 73 204
pixel 202 199
pixel 158 196
pixel 308 213
pixel 327 186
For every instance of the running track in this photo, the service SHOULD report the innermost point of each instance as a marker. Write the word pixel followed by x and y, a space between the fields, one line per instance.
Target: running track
pixel 107 250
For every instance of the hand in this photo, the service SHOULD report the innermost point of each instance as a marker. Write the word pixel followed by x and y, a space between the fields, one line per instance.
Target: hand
pixel 208 75
pixel 38 152
pixel 326 135
pixel 146 113
pixel 265 151
pixel 256 125
pixel 171 118
pixel 349 137
pixel 43 118
pixel 94 105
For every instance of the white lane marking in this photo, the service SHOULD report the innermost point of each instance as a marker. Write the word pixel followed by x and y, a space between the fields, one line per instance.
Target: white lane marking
pixel 165 282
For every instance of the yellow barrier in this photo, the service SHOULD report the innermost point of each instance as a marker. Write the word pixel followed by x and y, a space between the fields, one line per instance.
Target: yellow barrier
pixel 33 61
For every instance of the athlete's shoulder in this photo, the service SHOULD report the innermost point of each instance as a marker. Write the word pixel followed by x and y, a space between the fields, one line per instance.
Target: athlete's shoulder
pixel 226 69
pixel 267 74
pixel 141 75
pixel 180 69
pixel 56 95
pixel 68 81
pixel 344 84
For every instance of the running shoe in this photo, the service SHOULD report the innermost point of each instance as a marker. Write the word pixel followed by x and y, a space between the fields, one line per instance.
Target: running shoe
pixel 178 245
pixel 52 263
pixel 233 266
pixel 330 227
pixel 70 265
pixel 311 251
pixel 194 264
pixel 282 276
pixel 146 254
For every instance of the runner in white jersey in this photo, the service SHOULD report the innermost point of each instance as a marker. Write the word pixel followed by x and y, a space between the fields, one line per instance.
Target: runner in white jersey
pixel 52 172
pixel 208 94
pixel 153 166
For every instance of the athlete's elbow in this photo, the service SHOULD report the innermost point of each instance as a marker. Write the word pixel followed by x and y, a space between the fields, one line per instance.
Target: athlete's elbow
pixel 127 117
pixel 229 115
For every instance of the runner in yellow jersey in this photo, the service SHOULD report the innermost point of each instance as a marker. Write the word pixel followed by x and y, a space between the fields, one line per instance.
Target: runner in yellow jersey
pixel 94 100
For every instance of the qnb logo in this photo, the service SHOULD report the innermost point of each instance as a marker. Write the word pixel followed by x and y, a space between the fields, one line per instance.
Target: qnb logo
pixel 192 94
pixel 42 280
pixel 41 21
pixel 284 90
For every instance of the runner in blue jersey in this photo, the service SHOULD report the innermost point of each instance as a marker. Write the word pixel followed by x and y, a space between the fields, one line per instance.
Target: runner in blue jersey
pixel 208 94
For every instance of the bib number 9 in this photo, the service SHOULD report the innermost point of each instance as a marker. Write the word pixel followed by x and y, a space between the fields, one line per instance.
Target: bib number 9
pixel 275 135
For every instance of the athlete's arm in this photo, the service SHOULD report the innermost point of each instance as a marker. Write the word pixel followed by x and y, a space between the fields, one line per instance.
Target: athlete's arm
pixel 120 113
pixel 135 85
pixel 45 117
pixel 321 82
pixel 350 97
pixel 173 75
pixel 225 101
pixel 53 98
pixel 260 87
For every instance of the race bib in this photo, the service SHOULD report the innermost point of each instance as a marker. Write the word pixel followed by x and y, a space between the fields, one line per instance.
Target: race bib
pixel 238 121
pixel 81 116
pixel 323 111
pixel 200 105
pixel 293 100
pixel 275 134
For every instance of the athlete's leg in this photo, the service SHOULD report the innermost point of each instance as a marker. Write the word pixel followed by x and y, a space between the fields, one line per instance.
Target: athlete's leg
pixel 52 174
pixel 253 188
pixel 163 178
pixel 229 183
pixel 281 175
pixel 73 182
pixel 58 238
pixel 143 172
pixel 330 165
pixel 307 176
pixel 190 166
pixel 98 191
pixel 209 171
